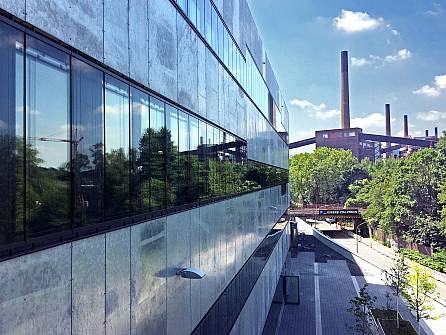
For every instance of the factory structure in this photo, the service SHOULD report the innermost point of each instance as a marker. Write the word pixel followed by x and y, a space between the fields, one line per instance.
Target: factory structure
pixel 364 145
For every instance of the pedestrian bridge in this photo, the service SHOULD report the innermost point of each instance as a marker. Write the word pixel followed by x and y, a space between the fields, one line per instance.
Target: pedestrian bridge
pixel 326 211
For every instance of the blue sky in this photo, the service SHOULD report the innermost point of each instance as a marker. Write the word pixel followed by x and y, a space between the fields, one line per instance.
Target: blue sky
pixel 397 55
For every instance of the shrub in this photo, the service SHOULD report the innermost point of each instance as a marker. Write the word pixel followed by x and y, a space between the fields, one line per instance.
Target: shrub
pixel 437 262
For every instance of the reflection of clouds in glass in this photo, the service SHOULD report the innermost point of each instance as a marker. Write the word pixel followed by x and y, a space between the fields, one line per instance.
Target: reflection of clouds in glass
pixel 53 154
pixel 3 125
pixel 29 110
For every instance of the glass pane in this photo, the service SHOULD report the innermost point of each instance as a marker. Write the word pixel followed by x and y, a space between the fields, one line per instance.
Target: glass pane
pixel 214 30
pixel 172 155
pixel 212 154
pixel 157 154
pixel 48 191
pixel 183 144
pixel 192 11
pixel 208 25
pixel 117 174
pixel 194 161
pixel 140 150
pixel 183 5
pixel 87 143
pixel 202 157
pixel 11 135
pixel 200 16
pixel 221 30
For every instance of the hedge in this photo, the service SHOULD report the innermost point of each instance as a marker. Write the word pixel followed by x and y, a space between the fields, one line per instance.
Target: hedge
pixel 437 262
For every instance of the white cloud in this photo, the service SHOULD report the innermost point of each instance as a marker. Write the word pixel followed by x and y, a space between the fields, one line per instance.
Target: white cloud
pixel 437 9
pixel 439 85
pixel 400 55
pixel 316 111
pixel 431 116
pixel 360 61
pixel 392 30
pixel 440 81
pixel 353 22
pixel 428 91
pixel 373 123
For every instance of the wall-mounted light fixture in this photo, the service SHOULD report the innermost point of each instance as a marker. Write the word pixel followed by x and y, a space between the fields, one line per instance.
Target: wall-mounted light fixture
pixel 191 273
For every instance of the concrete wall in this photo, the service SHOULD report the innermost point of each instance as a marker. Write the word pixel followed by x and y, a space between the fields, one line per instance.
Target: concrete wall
pixel 255 311
pixel 125 282
pixel 152 43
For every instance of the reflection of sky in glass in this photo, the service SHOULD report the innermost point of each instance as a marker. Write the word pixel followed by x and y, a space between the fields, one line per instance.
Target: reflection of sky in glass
pixel 48 85
pixel 116 116
pixel 173 125
pixel 183 132
pixel 140 116
pixel 156 114
pixel 19 93
pixel 193 122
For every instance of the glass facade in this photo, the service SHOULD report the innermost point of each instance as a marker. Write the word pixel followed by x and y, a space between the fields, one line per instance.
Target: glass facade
pixel 243 68
pixel 223 314
pixel 80 147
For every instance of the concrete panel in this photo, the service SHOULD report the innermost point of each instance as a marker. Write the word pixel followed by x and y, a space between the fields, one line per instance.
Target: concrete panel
pixel 139 40
pixel 163 60
pixel 89 286
pixel 15 7
pixel 211 87
pixel 231 242
pixel 116 35
pixel 208 251
pixel 201 79
pixel 179 315
pixel 148 278
pixel 195 262
pixel 219 223
pixel 35 293
pixel 76 22
pixel 187 65
pixel 117 265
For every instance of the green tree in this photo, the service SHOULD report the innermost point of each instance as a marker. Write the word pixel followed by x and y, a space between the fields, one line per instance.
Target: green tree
pixel 418 291
pixel 324 175
pixel 361 307
pixel 396 279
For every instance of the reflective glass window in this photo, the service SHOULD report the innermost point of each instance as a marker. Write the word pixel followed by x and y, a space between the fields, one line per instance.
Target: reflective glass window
pixel 214 30
pixel 208 20
pixel 212 161
pixel 140 150
pixel 225 47
pixel 87 143
pixel 221 30
pixel 200 16
pixel 11 135
pixel 183 5
pixel 157 154
pixel 183 144
pixel 203 163
pixel 172 155
pixel 48 191
pixel 117 167
pixel 192 11
pixel 194 159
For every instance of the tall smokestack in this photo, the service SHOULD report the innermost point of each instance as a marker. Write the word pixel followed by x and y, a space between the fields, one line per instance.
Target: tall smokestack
pixel 388 129
pixel 406 127
pixel 427 132
pixel 345 102
pixel 436 132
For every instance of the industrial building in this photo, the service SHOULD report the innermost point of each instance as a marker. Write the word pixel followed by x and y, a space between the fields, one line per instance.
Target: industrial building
pixel 362 145
pixel 143 168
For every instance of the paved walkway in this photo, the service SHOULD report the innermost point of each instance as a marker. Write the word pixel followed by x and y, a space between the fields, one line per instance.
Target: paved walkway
pixel 327 283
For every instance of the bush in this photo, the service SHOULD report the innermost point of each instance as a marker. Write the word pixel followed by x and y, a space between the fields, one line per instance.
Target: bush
pixel 437 262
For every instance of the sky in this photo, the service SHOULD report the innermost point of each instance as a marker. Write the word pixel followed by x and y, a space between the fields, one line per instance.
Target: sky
pixel 397 55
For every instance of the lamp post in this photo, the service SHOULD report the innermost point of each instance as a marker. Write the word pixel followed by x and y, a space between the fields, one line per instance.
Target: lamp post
pixel 357 239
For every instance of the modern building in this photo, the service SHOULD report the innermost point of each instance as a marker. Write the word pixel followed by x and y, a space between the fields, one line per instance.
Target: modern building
pixel 137 139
